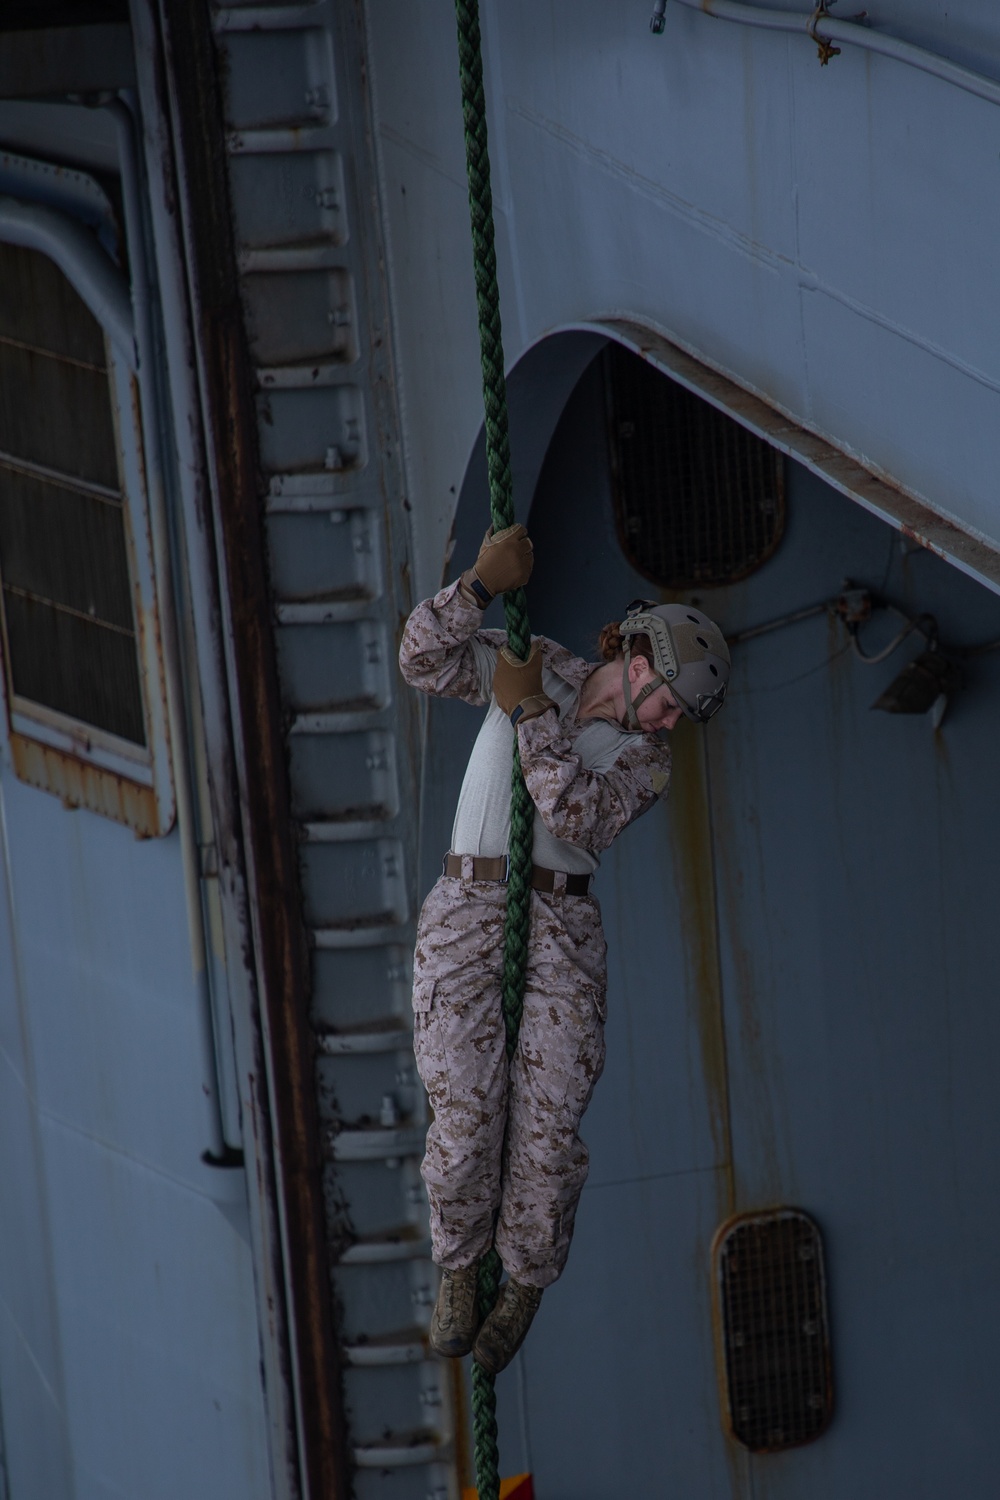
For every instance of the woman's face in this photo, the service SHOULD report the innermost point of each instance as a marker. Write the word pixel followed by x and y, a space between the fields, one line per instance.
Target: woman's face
pixel 661 709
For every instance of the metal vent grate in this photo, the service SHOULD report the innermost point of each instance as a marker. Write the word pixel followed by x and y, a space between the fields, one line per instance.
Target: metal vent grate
pixel 771 1289
pixel 67 612
pixel 699 500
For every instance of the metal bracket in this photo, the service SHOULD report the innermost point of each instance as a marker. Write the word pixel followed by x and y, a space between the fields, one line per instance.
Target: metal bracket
pixel 824 46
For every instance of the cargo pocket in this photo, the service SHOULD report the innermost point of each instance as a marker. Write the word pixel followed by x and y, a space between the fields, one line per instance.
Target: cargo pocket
pixel 601 1004
pixel 423 995
pixel 432 1064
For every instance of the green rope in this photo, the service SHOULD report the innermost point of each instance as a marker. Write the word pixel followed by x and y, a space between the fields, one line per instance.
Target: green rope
pixel 522 812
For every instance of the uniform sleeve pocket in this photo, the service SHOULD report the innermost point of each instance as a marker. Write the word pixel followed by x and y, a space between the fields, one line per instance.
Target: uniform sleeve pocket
pixel 423 995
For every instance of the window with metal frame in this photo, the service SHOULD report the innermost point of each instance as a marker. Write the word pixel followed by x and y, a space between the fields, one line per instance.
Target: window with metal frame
pixel 68 612
pixel 77 617
pixel 699 499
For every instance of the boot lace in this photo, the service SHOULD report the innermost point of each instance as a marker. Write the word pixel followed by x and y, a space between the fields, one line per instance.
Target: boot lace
pixel 518 1306
pixel 458 1300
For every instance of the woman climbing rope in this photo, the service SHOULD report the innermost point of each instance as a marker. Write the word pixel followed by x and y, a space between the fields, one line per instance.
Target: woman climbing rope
pixel 504 1158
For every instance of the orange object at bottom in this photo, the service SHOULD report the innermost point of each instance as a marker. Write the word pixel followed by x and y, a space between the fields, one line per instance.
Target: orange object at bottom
pixel 520 1487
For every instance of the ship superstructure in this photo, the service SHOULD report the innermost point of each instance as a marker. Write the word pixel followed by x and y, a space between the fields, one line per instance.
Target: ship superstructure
pixel 751 341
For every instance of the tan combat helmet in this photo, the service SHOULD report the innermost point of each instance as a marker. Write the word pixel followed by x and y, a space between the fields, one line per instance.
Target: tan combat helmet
pixel 690 655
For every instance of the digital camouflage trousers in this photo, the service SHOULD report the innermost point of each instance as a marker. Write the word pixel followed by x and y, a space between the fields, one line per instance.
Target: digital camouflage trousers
pixel 504 1151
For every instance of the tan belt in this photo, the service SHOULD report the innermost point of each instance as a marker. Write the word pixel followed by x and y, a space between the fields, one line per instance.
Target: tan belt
pixel 555 882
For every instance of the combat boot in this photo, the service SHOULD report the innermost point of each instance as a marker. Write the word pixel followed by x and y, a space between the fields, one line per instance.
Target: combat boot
pixel 504 1331
pixel 456 1312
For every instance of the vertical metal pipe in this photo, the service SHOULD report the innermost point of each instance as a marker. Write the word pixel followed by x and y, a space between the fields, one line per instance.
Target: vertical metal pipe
pixel 219 1152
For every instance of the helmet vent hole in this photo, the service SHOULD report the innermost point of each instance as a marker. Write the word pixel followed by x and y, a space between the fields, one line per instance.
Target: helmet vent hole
pixel 699 500
pixel 702 642
pixel 713 669
pixel 694 619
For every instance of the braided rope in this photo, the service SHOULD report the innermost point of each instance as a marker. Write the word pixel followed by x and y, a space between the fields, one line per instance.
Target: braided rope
pixel 522 812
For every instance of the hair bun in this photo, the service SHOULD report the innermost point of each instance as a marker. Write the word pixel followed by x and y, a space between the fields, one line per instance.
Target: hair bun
pixel 609 642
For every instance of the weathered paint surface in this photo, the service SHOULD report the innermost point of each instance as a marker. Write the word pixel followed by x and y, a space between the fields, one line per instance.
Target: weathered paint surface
pixel 821 1030
pixel 78 784
pixel 130 1347
pixel 306 512
pixel 855 856
pixel 821 238
pixel 127 1307
pixel 800 1012
pixel 279 931
pixel 822 235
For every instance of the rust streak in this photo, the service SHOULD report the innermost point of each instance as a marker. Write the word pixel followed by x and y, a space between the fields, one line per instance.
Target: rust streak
pixel 79 784
pixel 695 881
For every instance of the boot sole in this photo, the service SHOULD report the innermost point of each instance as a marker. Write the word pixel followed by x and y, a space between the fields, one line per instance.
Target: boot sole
pixel 453 1350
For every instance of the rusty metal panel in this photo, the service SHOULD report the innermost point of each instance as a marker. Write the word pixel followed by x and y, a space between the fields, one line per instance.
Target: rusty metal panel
pixel 80 625
pixel 78 784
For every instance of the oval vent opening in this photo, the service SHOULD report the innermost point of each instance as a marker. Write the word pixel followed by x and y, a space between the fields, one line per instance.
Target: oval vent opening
pixel 699 500
pixel 770 1288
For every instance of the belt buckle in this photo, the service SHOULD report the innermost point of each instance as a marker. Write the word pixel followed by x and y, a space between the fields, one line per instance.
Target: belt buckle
pixel 505 877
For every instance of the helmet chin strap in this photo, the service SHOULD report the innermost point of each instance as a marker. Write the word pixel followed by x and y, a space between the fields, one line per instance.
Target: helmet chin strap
pixel 630 719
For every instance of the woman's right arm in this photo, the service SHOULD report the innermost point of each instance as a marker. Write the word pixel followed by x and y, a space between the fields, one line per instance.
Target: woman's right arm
pixel 444 652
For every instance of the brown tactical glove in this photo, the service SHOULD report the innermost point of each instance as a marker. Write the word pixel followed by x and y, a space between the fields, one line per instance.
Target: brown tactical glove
pixel 505 562
pixel 517 685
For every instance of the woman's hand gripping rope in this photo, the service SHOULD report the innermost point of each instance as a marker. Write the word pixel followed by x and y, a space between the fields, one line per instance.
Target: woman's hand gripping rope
pixel 517 685
pixel 505 561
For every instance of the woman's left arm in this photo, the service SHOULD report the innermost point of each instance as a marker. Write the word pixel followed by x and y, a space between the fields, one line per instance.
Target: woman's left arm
pixel 589 808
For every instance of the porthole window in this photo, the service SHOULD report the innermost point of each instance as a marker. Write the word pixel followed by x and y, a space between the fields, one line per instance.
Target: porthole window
pixel 699 500
pixel 77 617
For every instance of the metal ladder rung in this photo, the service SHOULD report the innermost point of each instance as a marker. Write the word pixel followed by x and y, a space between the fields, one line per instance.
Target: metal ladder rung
pixel 376 933
pixel 362 713
pixel 325 483
pixel 379 1143
pixel 310 135
pixel 407 1243
pixel 408 1347
pixel 318 254
pixel 348 829
pixel 321 490
pixel 313 375
pixel 389 1036
pixel 402 1450
pixel 268 17
pixel 324 611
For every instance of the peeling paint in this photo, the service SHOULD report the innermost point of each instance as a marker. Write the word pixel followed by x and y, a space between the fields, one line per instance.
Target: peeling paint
pixel 79 784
